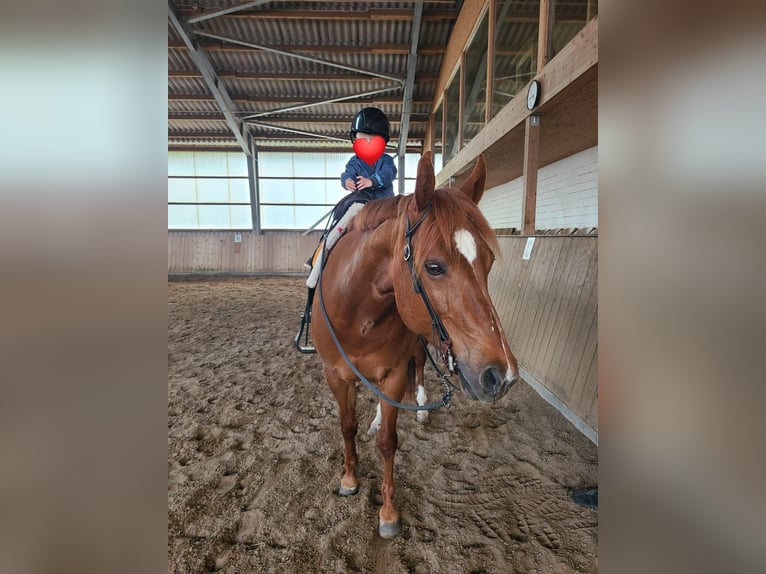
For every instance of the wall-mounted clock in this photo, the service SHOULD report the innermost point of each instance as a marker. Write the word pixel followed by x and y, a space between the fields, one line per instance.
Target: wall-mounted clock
pixel 533 95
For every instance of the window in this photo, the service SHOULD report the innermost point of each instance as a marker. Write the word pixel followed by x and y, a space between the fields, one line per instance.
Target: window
pixel 452 117
pixel 475 82
pixel 568 19
pixel 208 190
pixel 438 144
pixel 515 62
pixel 298 190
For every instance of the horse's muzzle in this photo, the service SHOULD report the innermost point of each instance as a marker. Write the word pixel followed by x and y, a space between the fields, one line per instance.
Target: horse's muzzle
pixel 489 386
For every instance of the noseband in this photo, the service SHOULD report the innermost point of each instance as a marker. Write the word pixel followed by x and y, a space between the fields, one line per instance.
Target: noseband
pixel 438 327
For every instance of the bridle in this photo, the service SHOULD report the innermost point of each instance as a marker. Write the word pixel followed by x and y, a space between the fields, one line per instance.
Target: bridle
pixel 438 329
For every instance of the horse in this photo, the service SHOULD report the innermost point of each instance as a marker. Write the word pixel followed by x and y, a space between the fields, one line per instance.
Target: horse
pixel 409 267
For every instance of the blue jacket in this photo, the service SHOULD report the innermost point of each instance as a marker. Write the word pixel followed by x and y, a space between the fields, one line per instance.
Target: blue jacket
pixel 382 174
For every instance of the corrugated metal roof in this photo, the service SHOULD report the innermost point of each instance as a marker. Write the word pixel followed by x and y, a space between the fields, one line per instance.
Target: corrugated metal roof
pixel 336 48
pixel 333 47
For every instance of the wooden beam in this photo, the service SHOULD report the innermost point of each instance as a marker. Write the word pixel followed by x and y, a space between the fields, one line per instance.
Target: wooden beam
pixel 377 14
pixel 531 153
pixel 217 116
pixel 491 53
pixel 234 75
pixel 377 101
pixel 543 38
pixel 396 49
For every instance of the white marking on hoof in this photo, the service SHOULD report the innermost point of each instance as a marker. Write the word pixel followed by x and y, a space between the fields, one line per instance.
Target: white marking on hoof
pixel 466 244
pixel 375 425
pixel 389 530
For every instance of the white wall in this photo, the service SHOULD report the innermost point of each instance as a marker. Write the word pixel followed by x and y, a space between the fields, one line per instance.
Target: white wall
pixel 567 195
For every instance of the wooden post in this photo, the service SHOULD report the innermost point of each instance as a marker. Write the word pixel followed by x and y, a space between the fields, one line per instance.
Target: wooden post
pixel 542 34
pixel 490 61
pixel 529 200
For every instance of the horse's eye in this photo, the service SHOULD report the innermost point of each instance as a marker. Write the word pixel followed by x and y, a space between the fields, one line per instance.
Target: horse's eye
pixel 434 269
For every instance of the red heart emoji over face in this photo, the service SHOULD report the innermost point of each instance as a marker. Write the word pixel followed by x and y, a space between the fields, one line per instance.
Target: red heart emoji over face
pixel 369 151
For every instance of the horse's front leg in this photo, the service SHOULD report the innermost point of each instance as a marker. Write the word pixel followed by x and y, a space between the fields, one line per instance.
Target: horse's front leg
pixel 345 394
pixel 420 398
pixel 390 524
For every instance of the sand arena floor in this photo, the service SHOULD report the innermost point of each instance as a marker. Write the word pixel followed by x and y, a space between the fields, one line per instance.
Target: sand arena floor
pixel 256 455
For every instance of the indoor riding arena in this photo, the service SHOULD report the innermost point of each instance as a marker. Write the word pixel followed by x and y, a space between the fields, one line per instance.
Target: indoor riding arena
pixel 268 104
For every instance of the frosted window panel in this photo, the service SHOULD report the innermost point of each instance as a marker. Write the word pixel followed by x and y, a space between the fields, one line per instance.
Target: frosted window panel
pixel 309 165
pixel 237 164
pixel 335 192
pixel 438 162
pixel 409 186
pixel 276 191
pixel 309 191
pixel 306 216
pixel 277 217
pixel 181 190
pixel 275 164
pixel 411 164
pixel 239 190
pixel 211 163
pixel 180 163
pixel 214 216
pixel 182 216
pixel 336 162
pixel 241 217
pixel 213 190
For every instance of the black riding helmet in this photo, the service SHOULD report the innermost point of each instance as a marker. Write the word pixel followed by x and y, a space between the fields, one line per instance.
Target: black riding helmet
pixel 370 121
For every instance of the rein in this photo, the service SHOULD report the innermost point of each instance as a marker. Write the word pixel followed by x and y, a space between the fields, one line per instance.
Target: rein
pixel 439 329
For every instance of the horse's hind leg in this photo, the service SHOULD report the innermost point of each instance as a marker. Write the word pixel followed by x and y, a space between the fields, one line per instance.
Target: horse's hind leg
pixel 345 394
pixel 389 522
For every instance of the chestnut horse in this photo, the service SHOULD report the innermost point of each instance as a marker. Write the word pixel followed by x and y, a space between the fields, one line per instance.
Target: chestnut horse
pixel 410 265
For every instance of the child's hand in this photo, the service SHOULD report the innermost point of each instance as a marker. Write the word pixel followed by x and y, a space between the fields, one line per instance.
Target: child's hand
pixel 350 184
pixel 363 183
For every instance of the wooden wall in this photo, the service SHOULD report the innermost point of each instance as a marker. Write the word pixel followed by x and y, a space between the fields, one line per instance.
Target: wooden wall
pixel 549 309
pixel 216 252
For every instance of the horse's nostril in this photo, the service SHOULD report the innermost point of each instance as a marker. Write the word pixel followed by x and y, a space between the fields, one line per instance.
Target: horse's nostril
pixel 491 379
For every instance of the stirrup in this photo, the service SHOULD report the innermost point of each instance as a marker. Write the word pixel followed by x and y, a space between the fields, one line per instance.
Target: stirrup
pixel 302 339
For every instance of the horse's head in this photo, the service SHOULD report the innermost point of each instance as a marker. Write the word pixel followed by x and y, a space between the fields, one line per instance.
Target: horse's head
pixel 451 251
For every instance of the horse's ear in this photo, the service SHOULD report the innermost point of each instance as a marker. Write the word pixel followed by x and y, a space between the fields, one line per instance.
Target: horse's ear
pixel 474 185
pixel 425 183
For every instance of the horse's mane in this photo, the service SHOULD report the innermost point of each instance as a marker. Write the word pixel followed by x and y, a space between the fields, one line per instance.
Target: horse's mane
pixel 451 210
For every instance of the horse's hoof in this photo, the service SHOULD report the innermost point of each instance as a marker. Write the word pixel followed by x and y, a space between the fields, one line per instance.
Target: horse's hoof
pixel 389 529
pixel 346 491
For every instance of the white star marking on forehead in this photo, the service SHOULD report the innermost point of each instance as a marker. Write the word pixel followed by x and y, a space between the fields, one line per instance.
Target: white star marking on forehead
pixel 466 244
